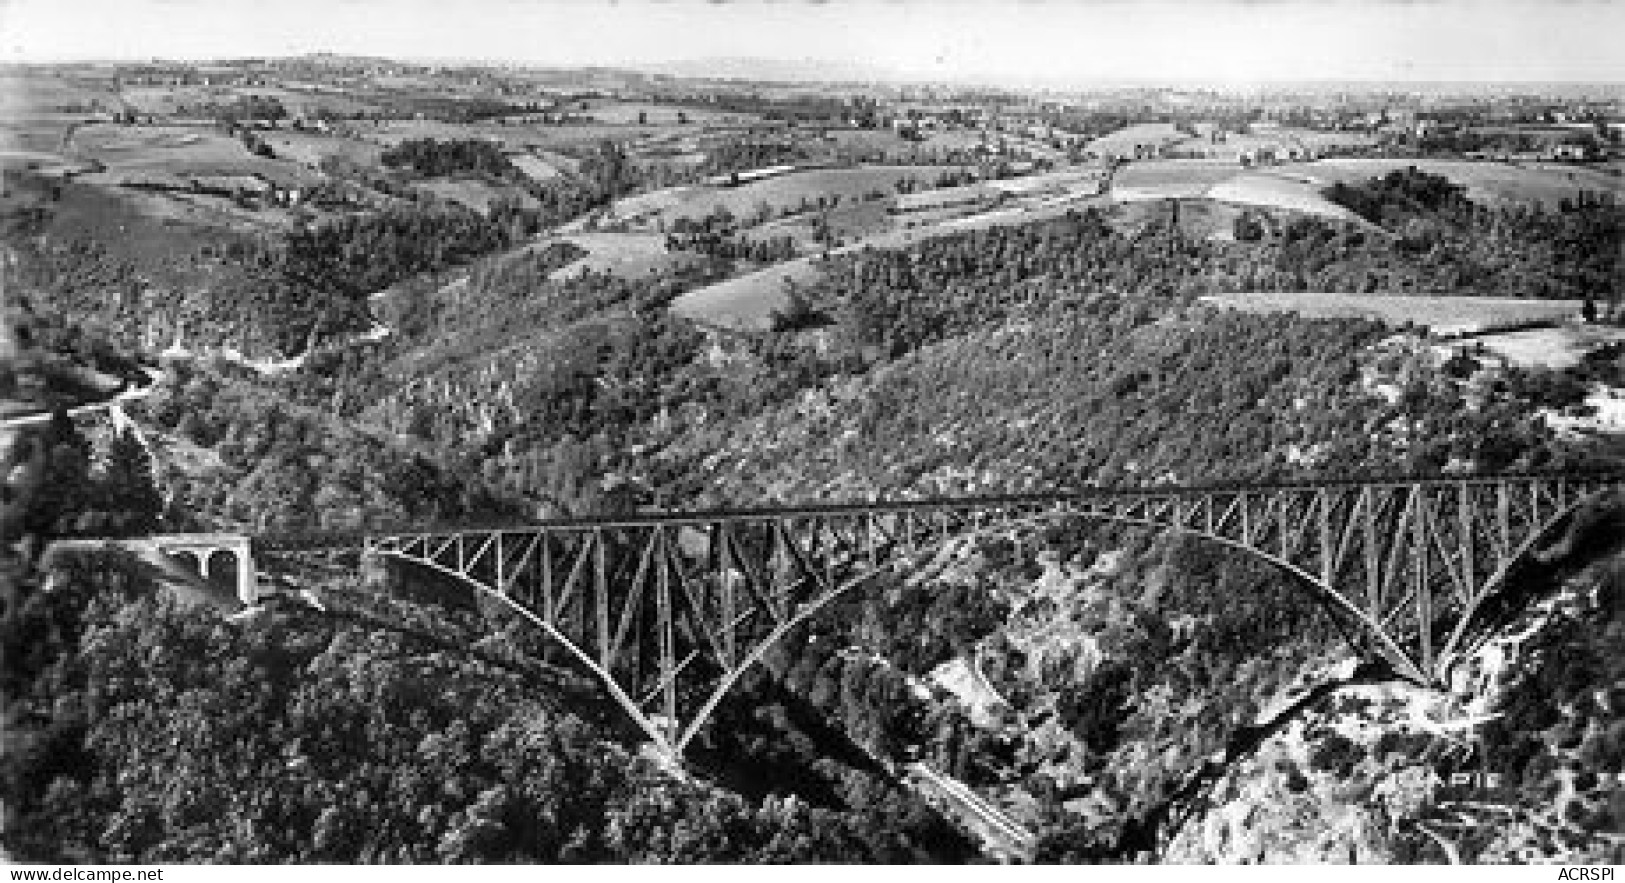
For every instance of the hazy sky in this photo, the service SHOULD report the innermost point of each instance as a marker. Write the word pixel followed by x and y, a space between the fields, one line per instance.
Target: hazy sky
pixel 1017 40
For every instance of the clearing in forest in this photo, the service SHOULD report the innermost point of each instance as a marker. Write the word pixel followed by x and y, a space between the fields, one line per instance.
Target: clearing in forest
pixel 1439 314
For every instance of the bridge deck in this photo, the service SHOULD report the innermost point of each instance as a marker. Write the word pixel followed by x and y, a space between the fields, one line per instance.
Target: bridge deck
pixel 340 539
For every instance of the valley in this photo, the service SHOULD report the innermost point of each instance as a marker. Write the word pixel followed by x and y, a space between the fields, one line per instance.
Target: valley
pixel 328 304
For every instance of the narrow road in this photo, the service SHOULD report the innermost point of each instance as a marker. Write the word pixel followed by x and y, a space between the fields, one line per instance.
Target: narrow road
pixel 129 394
pixel 1002 837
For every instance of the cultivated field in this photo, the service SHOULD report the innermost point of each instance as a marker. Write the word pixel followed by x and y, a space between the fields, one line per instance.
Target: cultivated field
pixel 1441 315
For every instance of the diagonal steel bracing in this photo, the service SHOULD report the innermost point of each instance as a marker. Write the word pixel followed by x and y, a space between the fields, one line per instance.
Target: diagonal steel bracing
pixel 671 610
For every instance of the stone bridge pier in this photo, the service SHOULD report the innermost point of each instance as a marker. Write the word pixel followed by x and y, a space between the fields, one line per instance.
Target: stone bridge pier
pixel 203 547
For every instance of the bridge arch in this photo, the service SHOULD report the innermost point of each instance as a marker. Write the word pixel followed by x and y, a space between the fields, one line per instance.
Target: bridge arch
pixel 658 735
pixel 204 552
pixel 1403 562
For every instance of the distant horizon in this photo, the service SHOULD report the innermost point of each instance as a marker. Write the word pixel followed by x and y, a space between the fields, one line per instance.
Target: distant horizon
pixel 660 68
pixel 1222 44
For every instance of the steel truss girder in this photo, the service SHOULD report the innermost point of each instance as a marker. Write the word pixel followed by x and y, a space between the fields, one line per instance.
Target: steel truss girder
pixel 677 609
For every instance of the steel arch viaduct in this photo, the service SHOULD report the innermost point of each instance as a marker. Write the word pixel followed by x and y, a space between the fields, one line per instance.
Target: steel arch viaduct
pixel 668 611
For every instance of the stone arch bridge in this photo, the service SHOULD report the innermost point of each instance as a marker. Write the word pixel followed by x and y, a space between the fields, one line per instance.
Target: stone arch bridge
pixel 667 611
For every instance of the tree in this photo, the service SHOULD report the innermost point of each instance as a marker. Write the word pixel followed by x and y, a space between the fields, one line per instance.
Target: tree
pixel 64 488
pixel 129 499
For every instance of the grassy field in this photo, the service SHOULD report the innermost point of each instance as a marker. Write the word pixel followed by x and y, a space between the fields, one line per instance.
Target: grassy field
pixel 871 139
pixel 1441 315
pixel 1560 347
pixel 1170 178
pixel 473 193
pixel 154 232
pixel 848 223
pixel 514 136
pixel 782 193
pixel 534 167
pixel 625 113
pixel 1298 186
pixel 1268 190
pixel 1331 140
pixel 42 161
pixel 310 149
pixel 35 111
pixel 1075 181
pixel 1123 141
pixel 188 101
pixel 178 150
pixel 1198 218
pixel 747 301
pixel 1490 182
pixel 628 255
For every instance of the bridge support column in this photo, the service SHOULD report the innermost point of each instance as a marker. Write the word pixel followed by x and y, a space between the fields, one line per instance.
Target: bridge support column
pixel 247 577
